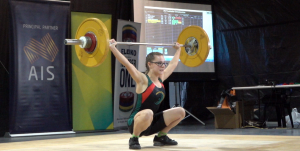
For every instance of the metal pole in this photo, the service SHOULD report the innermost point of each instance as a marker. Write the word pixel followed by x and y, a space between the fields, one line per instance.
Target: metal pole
pixel 175 84
pixel 177 105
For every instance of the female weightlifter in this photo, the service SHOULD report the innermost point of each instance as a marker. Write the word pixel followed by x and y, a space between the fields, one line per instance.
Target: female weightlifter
pixel 144 119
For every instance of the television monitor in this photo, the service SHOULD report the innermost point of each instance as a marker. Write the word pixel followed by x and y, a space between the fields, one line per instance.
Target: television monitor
pixel 162 22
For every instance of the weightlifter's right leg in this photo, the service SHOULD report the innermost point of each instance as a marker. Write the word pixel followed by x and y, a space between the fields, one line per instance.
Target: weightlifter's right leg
pixel 142 120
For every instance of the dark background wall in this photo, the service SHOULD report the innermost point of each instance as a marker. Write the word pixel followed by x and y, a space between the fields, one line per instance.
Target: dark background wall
pixel 254 40
pixel 257 40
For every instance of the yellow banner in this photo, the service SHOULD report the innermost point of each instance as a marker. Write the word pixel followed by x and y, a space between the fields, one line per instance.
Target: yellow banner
pixel 91 86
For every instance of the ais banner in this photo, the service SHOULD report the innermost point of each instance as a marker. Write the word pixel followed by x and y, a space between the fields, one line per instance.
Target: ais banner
pixel 38 89
pixel 125 95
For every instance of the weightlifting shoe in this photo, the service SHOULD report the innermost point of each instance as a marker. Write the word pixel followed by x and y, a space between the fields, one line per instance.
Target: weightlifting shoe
pixel 163 140
pixel 134 143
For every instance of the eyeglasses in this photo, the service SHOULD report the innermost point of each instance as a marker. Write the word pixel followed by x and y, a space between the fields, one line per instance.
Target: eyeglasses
pixel 160 64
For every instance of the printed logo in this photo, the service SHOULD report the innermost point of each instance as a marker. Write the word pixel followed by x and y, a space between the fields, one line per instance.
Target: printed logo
pixel 161 97
pixel 45 49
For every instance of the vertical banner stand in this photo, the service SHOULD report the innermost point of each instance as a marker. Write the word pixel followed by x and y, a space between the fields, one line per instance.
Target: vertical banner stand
pixel 177 105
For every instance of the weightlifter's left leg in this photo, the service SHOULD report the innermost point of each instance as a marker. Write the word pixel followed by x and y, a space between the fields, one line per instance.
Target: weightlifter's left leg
pixel 171 117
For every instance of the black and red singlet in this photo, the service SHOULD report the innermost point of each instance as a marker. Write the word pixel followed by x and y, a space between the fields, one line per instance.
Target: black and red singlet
pixel 149 99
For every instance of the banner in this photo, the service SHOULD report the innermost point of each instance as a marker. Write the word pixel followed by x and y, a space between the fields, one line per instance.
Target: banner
pixel 91 86
pixel 38 89
pixel 124 94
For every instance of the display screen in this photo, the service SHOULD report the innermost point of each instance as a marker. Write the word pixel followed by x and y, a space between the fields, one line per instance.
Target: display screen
pixel 162 22
pixel 163 25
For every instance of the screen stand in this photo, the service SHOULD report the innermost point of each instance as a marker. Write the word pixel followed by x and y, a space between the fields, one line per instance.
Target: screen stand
pixel 177 105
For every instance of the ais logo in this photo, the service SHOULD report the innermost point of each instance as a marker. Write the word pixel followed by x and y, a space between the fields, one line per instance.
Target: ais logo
pixel 45 49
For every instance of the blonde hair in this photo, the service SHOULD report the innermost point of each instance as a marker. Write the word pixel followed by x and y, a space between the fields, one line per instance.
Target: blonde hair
pixel 150 57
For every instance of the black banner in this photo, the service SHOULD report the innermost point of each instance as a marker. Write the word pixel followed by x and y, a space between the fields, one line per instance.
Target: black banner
pixel 38 89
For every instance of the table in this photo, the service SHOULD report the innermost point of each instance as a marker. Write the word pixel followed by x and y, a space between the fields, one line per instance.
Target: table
pixel 258 87
pixel 266 87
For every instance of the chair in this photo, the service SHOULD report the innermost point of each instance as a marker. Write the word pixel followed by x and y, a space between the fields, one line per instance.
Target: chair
pixel 279 98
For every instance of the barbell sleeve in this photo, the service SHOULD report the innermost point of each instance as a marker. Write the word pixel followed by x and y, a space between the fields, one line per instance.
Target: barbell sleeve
pixel 73 42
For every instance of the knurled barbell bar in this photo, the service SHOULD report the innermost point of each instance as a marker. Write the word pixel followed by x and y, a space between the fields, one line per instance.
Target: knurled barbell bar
pixel 92 44
pixel 86 42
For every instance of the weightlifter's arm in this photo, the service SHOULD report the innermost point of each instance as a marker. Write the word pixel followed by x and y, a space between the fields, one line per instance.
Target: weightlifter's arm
pixel 135 74
pixel 173 63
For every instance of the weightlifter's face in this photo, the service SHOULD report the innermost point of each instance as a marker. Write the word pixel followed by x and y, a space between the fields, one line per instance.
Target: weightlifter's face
pixel 158 64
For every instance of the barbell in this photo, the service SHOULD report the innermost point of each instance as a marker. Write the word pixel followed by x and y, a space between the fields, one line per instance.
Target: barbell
pixel 92 43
